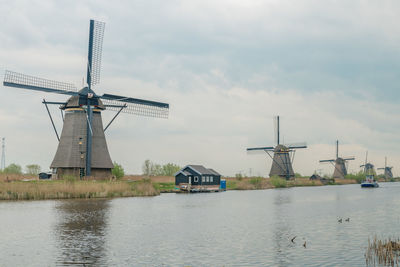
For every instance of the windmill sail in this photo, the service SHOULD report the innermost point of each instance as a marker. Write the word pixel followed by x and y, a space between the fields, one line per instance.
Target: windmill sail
pixel 19 80
pixel 136 106
pixel 96 33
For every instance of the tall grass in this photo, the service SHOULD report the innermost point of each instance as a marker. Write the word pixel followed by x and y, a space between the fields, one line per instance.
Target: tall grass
pixel 384 252
pixel 74 189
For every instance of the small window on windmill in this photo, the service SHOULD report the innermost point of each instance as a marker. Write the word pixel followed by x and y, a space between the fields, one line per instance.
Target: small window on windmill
pixel 80 140
pixel 82 155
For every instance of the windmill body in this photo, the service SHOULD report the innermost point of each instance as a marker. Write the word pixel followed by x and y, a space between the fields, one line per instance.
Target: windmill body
pixel 82 148
pixel 339 164
pixel 387 171
pixel 282 156
pixel 70 158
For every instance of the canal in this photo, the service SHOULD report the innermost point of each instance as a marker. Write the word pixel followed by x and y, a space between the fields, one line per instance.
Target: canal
pixel 235 228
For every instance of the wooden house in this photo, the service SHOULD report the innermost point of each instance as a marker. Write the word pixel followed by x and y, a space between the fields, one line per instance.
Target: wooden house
pixel 197 178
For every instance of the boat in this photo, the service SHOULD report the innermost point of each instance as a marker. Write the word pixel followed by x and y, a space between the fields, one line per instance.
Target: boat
pixel 369 182
pixel 369 174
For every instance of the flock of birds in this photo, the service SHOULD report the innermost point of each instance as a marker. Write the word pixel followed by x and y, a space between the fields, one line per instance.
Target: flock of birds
pixel 305 242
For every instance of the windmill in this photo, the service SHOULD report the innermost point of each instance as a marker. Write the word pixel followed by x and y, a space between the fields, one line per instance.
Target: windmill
pixel 283 155
pixel 339 163
pixel 387 171
pixel 82 147
pixel 368 167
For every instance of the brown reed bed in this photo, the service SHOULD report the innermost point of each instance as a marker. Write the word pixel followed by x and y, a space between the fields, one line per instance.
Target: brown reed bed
pixel 59 189
pixel 383 252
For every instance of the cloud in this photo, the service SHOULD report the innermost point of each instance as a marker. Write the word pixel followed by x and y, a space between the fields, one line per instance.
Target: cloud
pixel 330 69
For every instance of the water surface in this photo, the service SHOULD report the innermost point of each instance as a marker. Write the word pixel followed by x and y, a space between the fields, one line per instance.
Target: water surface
pixel 235 228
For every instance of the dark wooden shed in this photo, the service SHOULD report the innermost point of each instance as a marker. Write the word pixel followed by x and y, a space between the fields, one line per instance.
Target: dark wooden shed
pixel 197 177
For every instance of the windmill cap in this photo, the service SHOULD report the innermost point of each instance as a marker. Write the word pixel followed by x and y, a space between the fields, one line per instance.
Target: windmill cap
pixel 80 100
pixel 281 148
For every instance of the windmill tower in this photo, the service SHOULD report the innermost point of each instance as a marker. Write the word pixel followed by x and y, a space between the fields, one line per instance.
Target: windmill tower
pixel 283 155
pixel 82 147
pixel 339 163
pixel 3 154
pixel 387 171
pixel 368 167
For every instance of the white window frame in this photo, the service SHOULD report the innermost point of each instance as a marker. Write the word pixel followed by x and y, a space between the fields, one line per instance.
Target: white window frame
pixel 203 179
pixel 211 179
pixel 207 179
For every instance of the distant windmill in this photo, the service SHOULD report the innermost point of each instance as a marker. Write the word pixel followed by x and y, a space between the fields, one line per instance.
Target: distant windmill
pixel 387 171
pixel 283 155
pixel 368 167
pixel 340 163
pixel 82 148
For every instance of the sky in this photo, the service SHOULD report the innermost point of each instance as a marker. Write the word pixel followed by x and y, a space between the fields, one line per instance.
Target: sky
pixel 330 69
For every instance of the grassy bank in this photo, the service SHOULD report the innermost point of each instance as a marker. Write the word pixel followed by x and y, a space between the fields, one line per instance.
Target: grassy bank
pixel 25 187
pixel 59 189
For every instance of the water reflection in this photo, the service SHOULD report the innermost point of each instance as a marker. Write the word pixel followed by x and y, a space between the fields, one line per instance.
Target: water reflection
pixel 80 231
pixel 282 227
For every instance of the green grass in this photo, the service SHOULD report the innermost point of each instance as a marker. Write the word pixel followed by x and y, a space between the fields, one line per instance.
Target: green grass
pixel 165 187
pixel 278 182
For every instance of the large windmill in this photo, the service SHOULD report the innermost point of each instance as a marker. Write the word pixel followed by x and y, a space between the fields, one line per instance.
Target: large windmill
pixel 387 171
pixel 82 148
pixel 283 155
pixel 339 163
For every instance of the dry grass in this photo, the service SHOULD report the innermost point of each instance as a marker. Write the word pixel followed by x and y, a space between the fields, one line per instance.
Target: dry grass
pixel 16 177
pixel 383 252
pixel 304 182
pixel 154 179
pixel 78 189
pixel 345 181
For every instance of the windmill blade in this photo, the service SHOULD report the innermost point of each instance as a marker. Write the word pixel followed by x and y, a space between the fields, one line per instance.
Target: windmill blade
pixel 260 148
pixel 96 33
pixel 349 158
pixel 327 160
pixel 136 106
pixel 19 80
pixel 296 145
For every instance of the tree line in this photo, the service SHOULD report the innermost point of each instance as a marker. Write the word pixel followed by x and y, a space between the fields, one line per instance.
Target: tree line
pixel 30 169
pixel 150 168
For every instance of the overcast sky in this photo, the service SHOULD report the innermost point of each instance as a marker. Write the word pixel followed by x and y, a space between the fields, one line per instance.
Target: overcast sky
pixel 330 69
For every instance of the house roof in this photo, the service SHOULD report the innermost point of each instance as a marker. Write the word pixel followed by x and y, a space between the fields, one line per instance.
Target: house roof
pixel 199 169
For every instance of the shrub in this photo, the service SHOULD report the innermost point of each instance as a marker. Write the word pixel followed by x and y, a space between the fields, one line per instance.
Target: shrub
pixel 118 171
pixel 257 182
pixel 278 182
pixel 13 168
pixel 33 169
pixel 359 177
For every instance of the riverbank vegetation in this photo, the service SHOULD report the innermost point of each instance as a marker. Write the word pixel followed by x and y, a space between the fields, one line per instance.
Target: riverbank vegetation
pixel 384 252
pixel 25 188
pixel 17 186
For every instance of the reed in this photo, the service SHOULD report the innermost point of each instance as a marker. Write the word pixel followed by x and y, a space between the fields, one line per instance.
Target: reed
pixel 383 252
pixel 35 190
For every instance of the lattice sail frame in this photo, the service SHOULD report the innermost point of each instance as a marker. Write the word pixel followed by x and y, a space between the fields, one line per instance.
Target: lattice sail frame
pixel 137 109
pixel 97 47
pixel 16 79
